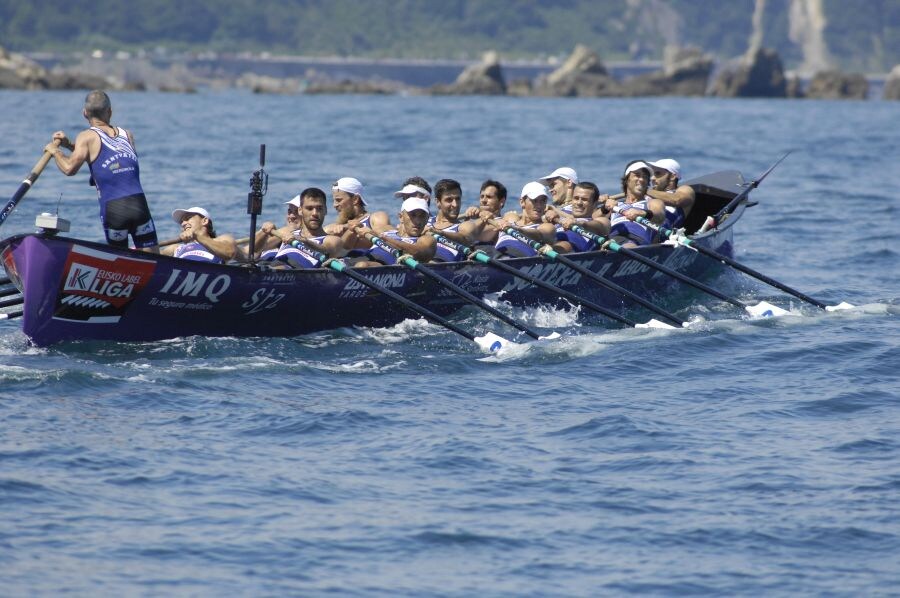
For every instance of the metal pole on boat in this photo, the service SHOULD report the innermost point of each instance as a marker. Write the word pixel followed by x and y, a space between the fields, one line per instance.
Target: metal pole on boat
pixel 259 184
pixel 25 186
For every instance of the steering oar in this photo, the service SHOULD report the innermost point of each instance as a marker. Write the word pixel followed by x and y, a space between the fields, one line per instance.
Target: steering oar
pixel 26 185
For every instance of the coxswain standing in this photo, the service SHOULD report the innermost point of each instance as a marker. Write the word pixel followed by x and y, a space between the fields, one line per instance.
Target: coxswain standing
pixel 199 241
pixel 112 159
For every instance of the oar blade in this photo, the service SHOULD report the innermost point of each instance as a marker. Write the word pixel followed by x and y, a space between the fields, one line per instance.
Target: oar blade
pixel 840 306
pixel 654 323
pixel 553 335
pixel 491 342
pixel 764 309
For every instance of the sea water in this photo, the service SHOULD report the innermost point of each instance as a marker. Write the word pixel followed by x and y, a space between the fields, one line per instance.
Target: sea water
pixel 740 456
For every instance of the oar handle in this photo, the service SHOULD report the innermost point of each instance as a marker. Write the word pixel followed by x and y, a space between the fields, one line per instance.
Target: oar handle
pixel 177 240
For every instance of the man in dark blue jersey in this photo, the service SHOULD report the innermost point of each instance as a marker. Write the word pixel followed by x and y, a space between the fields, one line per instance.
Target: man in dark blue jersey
pixel 112 159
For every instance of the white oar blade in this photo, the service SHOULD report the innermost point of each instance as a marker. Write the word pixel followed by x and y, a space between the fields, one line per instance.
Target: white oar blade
pixel 549 337
pixel 490 342
pixel 654 323
pixel 840 306
pixel 764 309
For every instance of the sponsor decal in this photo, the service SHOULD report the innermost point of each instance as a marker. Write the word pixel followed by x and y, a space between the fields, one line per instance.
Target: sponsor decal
pixel 391 280
pixel 98 286
pixel 185 283
pixel 559 275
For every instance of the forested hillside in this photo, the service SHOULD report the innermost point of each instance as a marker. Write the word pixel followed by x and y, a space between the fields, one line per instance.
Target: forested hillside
pixel 859 34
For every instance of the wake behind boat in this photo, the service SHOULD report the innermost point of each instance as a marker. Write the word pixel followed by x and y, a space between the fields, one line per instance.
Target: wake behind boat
pixel 74 289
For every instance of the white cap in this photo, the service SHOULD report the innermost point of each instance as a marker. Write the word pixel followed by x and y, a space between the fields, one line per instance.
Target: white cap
pixel 668 164
pixel 533 190
pixel 295 201
pixel 410 190
pixel 411 204
pixel 639 166
pixel 349 185
pixel 561 173
pixel 178 214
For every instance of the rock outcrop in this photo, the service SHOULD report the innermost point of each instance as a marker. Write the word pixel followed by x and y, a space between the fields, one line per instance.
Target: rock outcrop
pixel 758 75
pixel 265 84
pixel 835 85
pixel 685 73
pixel 583 74
pixel 892 85
pixel 366 86
pixel 484 78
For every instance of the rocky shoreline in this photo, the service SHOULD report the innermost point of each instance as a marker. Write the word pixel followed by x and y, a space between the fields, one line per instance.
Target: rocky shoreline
pixel 686 72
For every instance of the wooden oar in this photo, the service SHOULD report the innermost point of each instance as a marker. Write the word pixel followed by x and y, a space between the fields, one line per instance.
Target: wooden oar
pixel 489 342
pixel 551 254
pixel 26 185
pixel 713 221
pixel 763 308
pixel 689 243
pixel 411 263
pixel 484 258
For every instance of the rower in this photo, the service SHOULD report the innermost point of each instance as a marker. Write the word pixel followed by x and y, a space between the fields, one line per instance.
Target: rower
pixel 448 198
pixel 580 211
pixel 199 240
pixel 561 183
pixel 313 207
pixel 678 199
pixel 623 228
pixel 530 223
pixel 415 186
pixel 266 241
pixel 491 201
pixel 350 205
pixel 408 237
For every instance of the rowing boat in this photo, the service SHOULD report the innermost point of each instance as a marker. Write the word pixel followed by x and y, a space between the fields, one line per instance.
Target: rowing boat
pixel 78 290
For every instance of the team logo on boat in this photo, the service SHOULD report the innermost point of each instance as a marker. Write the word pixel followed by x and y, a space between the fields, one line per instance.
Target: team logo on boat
pixel 98 286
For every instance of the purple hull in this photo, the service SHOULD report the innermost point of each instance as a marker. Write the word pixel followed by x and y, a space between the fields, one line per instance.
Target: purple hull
pixel 83 290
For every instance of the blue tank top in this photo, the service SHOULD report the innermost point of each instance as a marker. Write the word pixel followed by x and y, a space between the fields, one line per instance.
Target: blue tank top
pixel 197 252
pixel 619 225
pixel 445 253
pixel 577 242
pixel 512 247
pixel 674 217
pixel 300 256
pixel 115 171
pixel 384 256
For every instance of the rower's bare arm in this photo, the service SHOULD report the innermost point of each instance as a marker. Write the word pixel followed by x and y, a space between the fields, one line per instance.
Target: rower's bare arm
pixel 223 246
pixel 380 222
pixel 69 165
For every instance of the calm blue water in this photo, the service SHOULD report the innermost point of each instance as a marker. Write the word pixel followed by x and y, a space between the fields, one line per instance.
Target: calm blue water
pixel 739 457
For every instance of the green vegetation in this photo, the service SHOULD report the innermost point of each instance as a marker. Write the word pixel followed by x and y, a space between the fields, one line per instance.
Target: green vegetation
pixel 861 34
